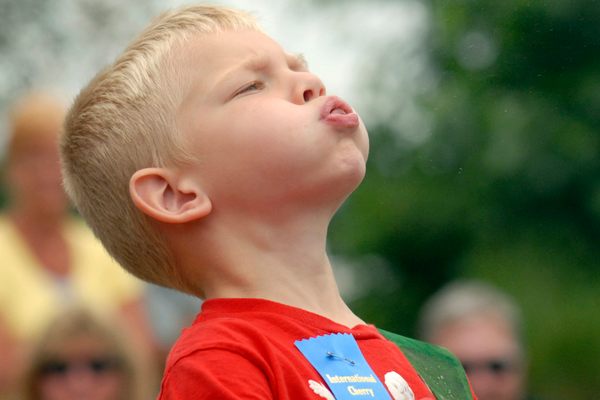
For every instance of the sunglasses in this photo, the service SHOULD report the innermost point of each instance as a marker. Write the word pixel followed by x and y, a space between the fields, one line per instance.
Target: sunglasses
pixel 493 366
pixel 96 366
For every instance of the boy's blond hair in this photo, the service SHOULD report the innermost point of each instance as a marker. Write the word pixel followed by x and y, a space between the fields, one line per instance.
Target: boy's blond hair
pixel 125 120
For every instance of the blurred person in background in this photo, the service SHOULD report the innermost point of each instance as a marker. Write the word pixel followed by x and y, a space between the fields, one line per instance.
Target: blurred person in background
pixel 50 260
pixel 80 356
pixel 482 326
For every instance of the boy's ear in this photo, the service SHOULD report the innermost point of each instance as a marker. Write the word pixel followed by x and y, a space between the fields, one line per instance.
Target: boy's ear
pixel 162 195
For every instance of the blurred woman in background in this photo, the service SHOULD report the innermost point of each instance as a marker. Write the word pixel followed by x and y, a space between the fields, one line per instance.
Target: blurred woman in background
pixel 49 259
pixel 80 357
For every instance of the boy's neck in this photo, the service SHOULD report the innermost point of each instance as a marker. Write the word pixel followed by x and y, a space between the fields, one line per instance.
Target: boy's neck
pixel 283 261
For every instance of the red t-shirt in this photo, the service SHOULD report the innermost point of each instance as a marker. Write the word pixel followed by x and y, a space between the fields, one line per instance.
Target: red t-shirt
pixel 244 349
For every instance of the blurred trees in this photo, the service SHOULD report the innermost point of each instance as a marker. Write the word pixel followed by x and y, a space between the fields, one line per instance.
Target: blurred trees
pixel 504 183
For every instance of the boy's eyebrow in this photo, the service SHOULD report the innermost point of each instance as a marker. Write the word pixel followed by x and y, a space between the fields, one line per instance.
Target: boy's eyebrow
pixel 253 63
pixel 296 62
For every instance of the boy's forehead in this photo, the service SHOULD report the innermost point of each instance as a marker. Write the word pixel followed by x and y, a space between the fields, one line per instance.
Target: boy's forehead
pixel 219 52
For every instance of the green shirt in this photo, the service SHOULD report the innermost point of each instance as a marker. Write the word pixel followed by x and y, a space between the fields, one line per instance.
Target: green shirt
pixel 440 370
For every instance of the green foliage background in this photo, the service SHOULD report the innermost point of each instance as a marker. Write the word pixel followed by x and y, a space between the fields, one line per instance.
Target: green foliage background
pixel 507 185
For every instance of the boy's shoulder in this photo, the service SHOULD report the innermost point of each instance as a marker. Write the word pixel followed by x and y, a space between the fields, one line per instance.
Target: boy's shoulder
pixel 439 368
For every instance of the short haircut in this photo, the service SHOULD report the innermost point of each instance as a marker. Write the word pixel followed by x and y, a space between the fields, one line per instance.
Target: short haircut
pixel 125 120
pixel 463 299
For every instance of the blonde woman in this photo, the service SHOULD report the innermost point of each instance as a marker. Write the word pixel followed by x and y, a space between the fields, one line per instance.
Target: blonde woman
pixel 80 356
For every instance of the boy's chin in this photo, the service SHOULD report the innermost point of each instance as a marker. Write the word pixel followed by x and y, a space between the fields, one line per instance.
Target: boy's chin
pixel 350 179
pixel 355 169
pixel 356 178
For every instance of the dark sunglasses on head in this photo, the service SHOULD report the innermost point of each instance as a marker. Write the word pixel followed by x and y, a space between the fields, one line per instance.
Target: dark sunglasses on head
pixel 94 365
pixel 494 366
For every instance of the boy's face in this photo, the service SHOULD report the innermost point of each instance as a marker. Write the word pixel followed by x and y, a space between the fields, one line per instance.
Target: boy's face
pixel 261 127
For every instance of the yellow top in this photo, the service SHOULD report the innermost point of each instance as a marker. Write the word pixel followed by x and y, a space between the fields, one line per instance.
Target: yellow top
pixel 30 296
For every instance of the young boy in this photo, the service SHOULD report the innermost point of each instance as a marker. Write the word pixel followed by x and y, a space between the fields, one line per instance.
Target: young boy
pixel 208 159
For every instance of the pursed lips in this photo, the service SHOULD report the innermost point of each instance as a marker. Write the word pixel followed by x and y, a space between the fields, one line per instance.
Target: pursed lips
pixel 338 113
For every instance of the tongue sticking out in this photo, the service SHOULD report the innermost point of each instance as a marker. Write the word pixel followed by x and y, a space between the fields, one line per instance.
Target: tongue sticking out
pixel 338 111
pixel 339 114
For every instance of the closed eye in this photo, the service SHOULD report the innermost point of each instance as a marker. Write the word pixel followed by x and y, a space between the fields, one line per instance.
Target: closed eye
pixel 249 88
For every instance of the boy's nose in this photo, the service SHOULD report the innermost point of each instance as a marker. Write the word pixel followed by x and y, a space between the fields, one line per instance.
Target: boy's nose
pixel 309 87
